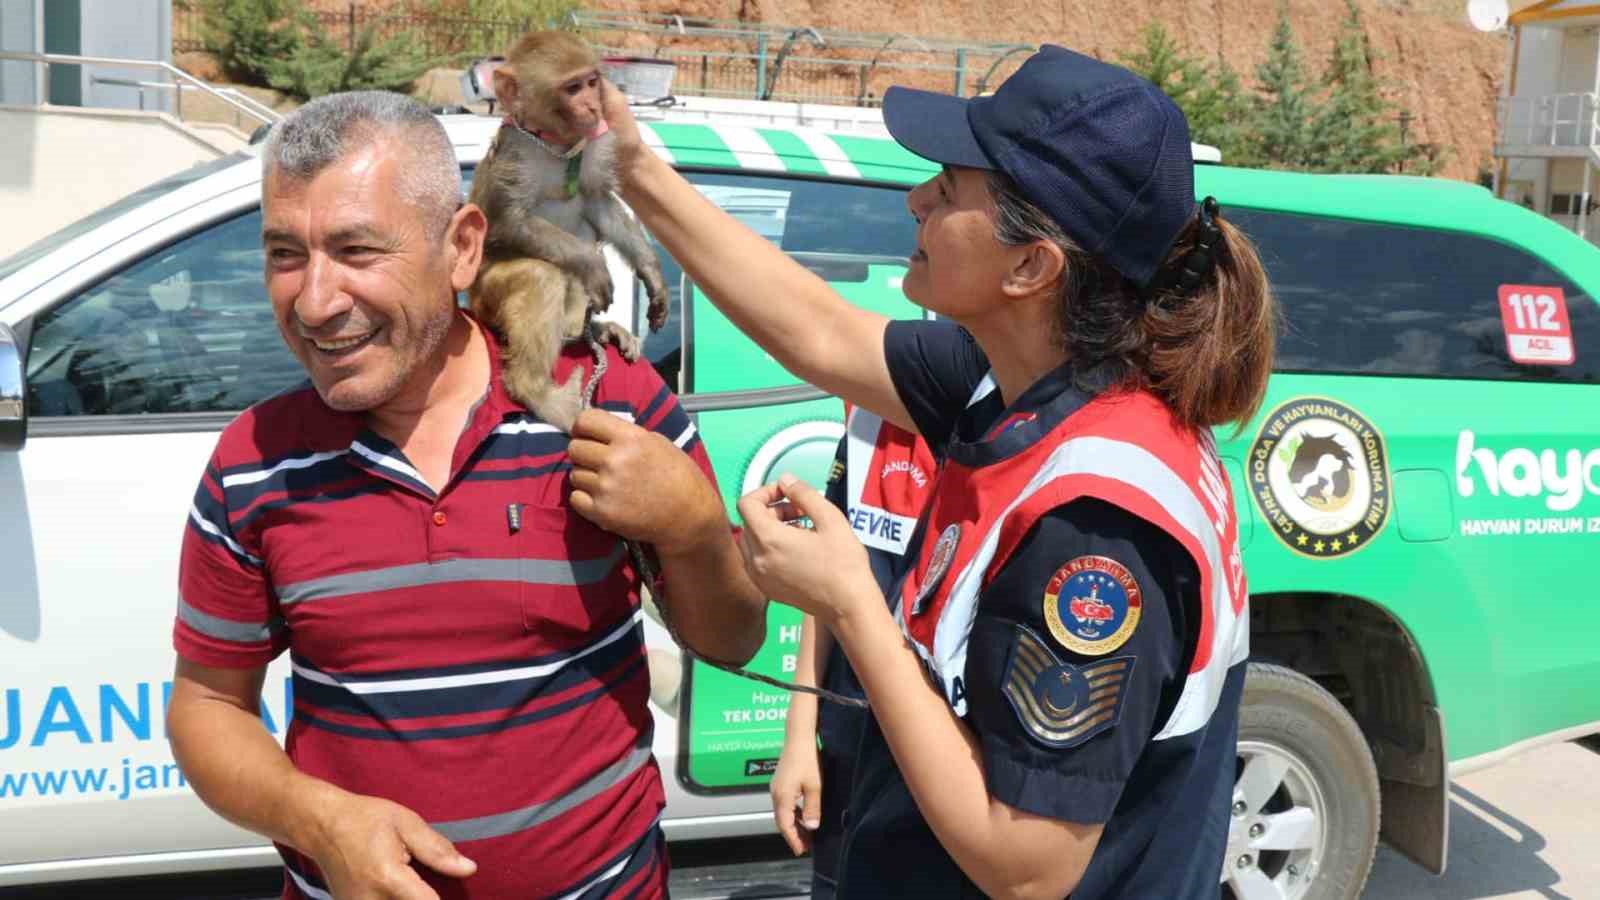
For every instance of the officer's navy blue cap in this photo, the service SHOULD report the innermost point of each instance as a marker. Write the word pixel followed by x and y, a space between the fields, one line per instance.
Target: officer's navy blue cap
pixel 1102 151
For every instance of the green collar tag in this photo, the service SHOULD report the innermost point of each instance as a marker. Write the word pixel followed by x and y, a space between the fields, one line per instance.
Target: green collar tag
pixel 573 164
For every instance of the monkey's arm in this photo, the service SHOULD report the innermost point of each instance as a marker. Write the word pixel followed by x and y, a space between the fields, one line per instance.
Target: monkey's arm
pixel 613 224
pixel 610 220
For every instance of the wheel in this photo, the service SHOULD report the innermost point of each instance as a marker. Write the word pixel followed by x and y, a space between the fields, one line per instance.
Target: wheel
pixel 1305 801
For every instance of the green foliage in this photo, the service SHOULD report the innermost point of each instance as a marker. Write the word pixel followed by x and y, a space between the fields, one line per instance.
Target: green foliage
pixel 1286 109
pixel 1357 130
pixel 540 13
pixel 323 66
pixel 1338 122
pixel 247 36
pixel 1211 98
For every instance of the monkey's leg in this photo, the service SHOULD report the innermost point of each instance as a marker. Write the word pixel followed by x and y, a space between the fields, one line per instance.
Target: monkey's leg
pixel 613 224
pixel 514 232
pixel 523 301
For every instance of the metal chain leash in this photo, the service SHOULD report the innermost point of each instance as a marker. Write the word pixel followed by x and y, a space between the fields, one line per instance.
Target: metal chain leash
pixel 649 576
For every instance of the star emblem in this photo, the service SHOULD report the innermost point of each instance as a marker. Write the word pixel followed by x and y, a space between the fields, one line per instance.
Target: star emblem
pixel 1337 546
pixel 1318 546
pixel 1351 538
pixel 1301 540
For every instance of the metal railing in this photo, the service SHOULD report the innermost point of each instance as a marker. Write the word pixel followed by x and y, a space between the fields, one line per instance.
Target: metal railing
pixel 181 82
pixel 1548 120
pixel 720 58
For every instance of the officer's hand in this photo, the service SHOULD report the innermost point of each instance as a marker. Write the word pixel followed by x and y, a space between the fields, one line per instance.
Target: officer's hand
pixel 797 788
pixel 630 148
pixel 370 844
pixel 637 484
pixel 822 570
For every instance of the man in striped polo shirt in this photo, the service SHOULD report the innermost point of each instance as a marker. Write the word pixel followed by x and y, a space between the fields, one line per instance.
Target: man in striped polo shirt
pixel 444 569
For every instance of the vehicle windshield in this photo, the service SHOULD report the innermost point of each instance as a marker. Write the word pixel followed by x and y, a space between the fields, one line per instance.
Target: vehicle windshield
pixel 37 250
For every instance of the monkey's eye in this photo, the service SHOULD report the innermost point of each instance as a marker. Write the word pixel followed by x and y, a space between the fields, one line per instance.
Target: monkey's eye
pixel 573 89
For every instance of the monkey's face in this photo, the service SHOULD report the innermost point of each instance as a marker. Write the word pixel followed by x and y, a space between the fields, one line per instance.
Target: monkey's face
pixel 572 106
pixel 959 266
pixel 360 285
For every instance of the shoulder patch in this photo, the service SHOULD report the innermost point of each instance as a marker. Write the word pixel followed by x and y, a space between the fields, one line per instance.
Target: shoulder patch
pixel 1092 604
pixel 1061 705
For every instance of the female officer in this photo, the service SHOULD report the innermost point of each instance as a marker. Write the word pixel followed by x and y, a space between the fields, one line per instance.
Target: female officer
pixel 1055 690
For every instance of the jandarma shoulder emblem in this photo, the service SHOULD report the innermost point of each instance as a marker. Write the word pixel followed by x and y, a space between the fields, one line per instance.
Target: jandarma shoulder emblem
pixel 1319 474
pixel 1059 704
pixel 1092 605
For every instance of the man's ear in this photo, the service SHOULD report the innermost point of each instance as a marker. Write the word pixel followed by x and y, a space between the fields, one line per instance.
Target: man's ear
pixel 1035 267
pixel 465 242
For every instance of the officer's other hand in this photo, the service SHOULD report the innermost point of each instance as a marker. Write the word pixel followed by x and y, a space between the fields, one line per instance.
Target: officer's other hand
pixel 823 569
pixel 637 484
pixel 796 789
pixel 370 845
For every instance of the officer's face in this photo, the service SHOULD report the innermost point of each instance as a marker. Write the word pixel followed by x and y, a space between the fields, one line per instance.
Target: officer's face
pixel 959 266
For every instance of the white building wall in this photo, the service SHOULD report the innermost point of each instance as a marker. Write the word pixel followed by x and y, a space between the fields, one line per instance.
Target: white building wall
pixel 126 29
pixel 19 32
pixel 54 164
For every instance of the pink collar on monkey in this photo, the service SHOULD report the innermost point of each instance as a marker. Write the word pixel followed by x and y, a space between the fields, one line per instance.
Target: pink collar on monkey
pixel 551 144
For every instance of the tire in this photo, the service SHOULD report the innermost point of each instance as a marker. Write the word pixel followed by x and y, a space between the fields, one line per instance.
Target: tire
pixel 1305 800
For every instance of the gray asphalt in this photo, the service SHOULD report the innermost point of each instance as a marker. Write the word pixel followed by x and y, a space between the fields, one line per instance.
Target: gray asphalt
pixel 1527 829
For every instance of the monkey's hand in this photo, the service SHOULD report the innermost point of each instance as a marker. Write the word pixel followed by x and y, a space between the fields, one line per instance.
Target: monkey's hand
pixel 628 345
pixel 656 289
pixel 596 280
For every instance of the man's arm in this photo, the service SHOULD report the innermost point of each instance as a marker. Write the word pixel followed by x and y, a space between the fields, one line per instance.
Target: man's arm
pixel 636 483
pixel 782 306
pixel 362 844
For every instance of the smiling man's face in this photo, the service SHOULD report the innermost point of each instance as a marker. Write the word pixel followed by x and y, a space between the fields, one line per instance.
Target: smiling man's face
pixel 360 285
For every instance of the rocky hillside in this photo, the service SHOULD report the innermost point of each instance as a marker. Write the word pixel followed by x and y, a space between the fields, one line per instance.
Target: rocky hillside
pixel 1435 65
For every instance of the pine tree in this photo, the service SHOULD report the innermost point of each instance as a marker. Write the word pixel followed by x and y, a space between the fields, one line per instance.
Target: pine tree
pixel 1211 99
pixel 321 66
pixel 1284 112
pixel 1356 129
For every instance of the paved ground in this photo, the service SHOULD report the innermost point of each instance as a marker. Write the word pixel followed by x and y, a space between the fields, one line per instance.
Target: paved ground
pixel 1525 830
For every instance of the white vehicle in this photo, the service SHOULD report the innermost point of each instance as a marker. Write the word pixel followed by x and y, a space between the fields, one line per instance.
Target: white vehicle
pixel 144 329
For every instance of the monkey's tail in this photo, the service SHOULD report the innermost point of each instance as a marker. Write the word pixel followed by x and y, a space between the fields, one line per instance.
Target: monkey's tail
pixel 649 575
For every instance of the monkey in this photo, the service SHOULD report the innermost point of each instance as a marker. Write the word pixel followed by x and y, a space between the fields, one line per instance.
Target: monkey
pixel 547 187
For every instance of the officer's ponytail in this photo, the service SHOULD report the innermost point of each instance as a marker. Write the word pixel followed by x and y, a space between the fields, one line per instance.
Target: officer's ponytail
pixel 1202 341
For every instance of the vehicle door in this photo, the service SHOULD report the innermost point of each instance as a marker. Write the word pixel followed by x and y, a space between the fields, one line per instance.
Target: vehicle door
pixel 1431 442
pixel 131 373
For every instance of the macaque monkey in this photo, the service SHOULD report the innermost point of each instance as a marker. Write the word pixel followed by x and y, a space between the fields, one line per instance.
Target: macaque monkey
pixel 547 188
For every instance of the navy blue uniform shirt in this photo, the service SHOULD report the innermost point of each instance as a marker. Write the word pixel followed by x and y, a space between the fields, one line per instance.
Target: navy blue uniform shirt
pixel 1164 805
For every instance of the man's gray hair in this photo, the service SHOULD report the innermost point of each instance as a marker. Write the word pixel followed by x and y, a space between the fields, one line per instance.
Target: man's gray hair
pixel 329 128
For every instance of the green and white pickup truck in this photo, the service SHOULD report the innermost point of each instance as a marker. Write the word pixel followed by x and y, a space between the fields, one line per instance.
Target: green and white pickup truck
pixel 1418 498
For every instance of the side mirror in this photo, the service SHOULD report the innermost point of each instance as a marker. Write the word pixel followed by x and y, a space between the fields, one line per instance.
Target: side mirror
pixel 13 392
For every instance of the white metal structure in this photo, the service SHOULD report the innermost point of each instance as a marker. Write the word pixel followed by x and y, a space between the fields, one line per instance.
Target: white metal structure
pixel 1547 122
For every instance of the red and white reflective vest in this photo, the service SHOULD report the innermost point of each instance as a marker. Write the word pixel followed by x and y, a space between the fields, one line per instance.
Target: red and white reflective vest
pixel 1124 448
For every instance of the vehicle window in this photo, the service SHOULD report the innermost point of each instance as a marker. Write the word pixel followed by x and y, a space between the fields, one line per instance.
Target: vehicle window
pixel 187 329
pixel 856 237
pixel 1367 298
pixel 101 216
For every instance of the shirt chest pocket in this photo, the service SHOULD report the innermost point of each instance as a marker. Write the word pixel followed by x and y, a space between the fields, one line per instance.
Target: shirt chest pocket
pixel 571 578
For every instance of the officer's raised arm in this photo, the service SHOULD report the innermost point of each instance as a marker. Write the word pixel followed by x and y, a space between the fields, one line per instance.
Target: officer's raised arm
pixel 787 309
